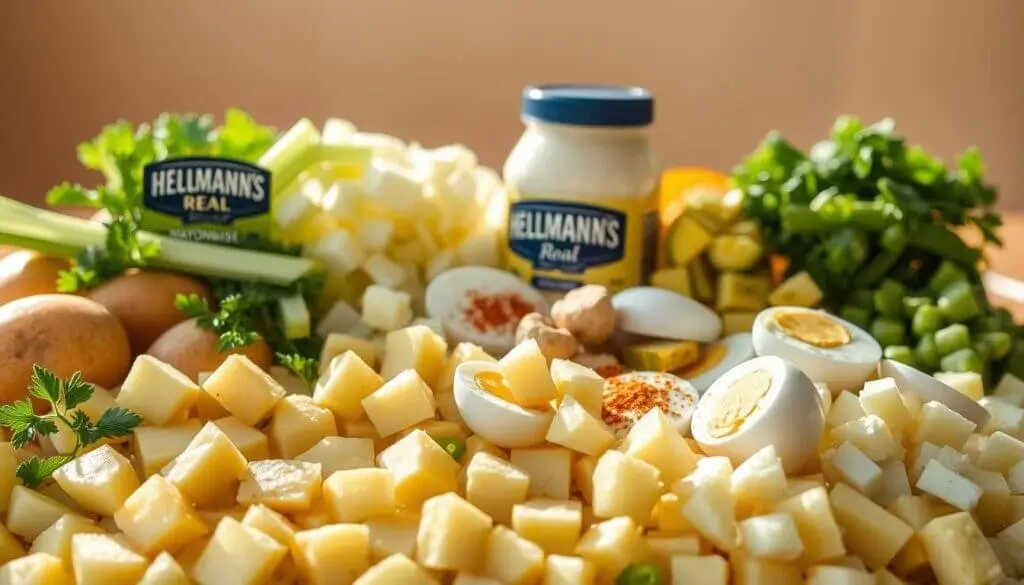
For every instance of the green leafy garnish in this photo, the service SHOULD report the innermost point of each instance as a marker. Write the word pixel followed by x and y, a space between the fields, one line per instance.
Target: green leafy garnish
pixel 305 367
pixel 96 264
pixel 63 396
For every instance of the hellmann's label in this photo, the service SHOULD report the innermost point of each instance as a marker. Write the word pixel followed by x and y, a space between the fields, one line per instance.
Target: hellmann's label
pixel 559 244
pixel 206 200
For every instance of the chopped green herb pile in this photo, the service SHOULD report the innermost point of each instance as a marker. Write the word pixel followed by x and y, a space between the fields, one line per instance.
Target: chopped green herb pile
pixel 63 396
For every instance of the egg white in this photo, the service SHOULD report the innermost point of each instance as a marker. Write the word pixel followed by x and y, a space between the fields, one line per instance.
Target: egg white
pixel 663 314
pixel 739 348
pixel 682 400
pixel 846 367
pixel 496 420
pixel 789 415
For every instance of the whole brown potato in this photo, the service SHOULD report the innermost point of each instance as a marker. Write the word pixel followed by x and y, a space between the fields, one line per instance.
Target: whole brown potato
pixel 65 334
pixel 26 272
pixel 192 350
pixel 144 302
pixel 587 313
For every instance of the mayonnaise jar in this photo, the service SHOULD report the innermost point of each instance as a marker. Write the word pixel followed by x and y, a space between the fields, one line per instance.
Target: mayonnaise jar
pixel 582 184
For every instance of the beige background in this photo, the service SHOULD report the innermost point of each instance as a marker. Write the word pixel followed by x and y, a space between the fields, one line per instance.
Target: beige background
pixel 950 71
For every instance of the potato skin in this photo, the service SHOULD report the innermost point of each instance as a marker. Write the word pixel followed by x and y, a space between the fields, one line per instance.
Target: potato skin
pixel 24 273
pixel 65 334
pixel 144 302
pixel 193 350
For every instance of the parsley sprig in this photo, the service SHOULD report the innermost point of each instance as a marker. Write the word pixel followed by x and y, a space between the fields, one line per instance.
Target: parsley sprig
pixel 64 396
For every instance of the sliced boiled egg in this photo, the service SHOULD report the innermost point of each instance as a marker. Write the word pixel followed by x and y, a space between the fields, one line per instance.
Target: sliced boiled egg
pixel 628 397
pixel 486 405
pixel 827 348
pixel 482 306
pixel 663 314
pixel 716 359
pixel 927 388
pixel 764 401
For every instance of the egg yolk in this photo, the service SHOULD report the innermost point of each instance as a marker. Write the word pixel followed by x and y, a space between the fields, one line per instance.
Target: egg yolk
pixel 710 357
pixel 739 403
pixel 813 328
pixel 494 383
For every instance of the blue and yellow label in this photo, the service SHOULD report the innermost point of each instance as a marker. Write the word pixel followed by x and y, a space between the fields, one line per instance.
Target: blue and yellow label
pixel 559 244
pixel 206 199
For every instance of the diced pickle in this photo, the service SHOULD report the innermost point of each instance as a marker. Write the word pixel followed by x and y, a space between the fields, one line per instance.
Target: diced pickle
pixel 734 252
pixel 661 356
pixel 674 279
pixel 798 290
pixel 686 239
pixel 743 292
pixel 738 322
pixel 703 280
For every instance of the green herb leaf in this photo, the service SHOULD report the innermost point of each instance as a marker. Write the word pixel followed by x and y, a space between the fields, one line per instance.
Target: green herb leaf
pixel 83 428
pixel 77 391
pixel 117 422
pixel 21 420
pixel 302 366
pixel 36 470
pixel 45 385
pixel 72 194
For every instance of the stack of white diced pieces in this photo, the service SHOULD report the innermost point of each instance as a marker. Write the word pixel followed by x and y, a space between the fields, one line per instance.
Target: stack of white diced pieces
pixel 235 482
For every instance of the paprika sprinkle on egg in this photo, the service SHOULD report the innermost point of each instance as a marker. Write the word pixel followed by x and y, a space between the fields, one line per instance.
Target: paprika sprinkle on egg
pixel 494 312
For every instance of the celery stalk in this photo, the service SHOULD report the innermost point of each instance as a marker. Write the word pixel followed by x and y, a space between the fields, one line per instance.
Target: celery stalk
pixel 50 232
pixel 291 154
pixel 294 317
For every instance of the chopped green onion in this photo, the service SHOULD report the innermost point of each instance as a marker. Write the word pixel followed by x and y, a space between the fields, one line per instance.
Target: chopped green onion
pixel 640 574
pixel 926 353
pixel 958 302
pixel 952 338
pixel 926 320
pixel 902 354
pixel 964 360
pixel 453 447
pixel 859 316
pixel 888 331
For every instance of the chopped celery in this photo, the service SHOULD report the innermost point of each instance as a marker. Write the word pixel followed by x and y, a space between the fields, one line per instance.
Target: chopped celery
pixel 889 299
pixel 964 360
pixel 952 338
pixel 957 303
pixel 24 225
pixel 862 297
pixel 292 153
pixel 982 349
pixel 946 274
pixel 927 319
pixel 926 354
pixel 902 354
pixel 859 316
pixel 999 343
pixel 294 317
pixel 912 304
pixel 888 331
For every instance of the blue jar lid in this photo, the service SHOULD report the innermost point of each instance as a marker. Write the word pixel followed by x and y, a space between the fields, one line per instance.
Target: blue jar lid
pixel 589 105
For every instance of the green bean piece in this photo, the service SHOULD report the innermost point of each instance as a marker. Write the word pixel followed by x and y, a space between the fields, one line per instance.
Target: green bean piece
pixel 863 298
pixel 999 342
pixel 640 574
pixel 912 304
pixel 889 300
pixel 902 354
pixel 957 303
pixel 888 331
pixel 859 316
pixel 946 274
pixel 926 353
pixel 927 319
pixel 964 360
pixel 453 447
pixel 952 338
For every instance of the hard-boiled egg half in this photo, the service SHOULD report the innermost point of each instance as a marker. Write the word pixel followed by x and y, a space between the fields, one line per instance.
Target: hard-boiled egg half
pixel 488 409
pixel 925 388
pixel 716 359
pixel 764 401
pixel 482 306
pixel 630 396
pixel 663 314
pixel 825 347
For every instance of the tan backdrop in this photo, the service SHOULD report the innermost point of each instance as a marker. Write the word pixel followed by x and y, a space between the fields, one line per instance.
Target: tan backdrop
pixel 950 71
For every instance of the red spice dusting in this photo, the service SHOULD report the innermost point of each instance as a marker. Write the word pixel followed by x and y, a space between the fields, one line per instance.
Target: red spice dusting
pixel 609 370
pixel 625 398
pixel 495 312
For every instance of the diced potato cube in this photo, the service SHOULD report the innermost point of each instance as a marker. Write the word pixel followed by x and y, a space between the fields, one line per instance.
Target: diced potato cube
pixel 452 534
pixel 868 529
pixel 238 555
pixel 549 468
pixel 709 470
pixel 553 524
pixel 871 435
pixel 568 570
pixel 64 440
pixel 1001 452
pixel 250 442
pixel 339 344
pixel 990 482
pixel 207 408
pixel 958 551
pixel 447 409
pixel 940 425
pixel 393 570
pixel 271 523
pixel 893 484
pixel 391 535
pixel 31 512
pixel 355 495
pixel 467 579
pixel 612 545
pixel 440 429
pixel 527 376
pixel 833 575
pixel 385 309
pixel 98 559
pixel 282 485
pixel 208 468
pixel 711 510
pixel 56 539
pixel 661 356
pixel 856 468
pixel 654 440
pixel 742 292
pixel 995 513
pixel 384 271
pixel 882 398
pixel 35 569
pixel 939 481
pixel 845 407
pixel 625 486
pixel 674 279
pixel 99 481
pixel 332 554
pixel 1004 416
pixel 8 466
pixel 512 559
pixel 799 290
pixel 773 536
pixel 400 403
pixel 736 321
pixel 157 391
pixel 699 570
pixel 243 389
pixel 364 429
pixel 967 383
pixel 164 570
pixel 338 453
pixel 297 424
pixel 494 486
pixel 760 479
pixel 414 348
pixel 580 382
pixel 157 517
pixel 346 383
pixel 155 447
pixel 749 570
pixel 686 240
pixel 664 547
pixel 340 318
pixel 816 524
pixel 420 467
pixel 576 429
pixel 668 514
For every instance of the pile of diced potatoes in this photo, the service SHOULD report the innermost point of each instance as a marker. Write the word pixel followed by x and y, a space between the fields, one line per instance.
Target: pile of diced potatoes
pixel 235 481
